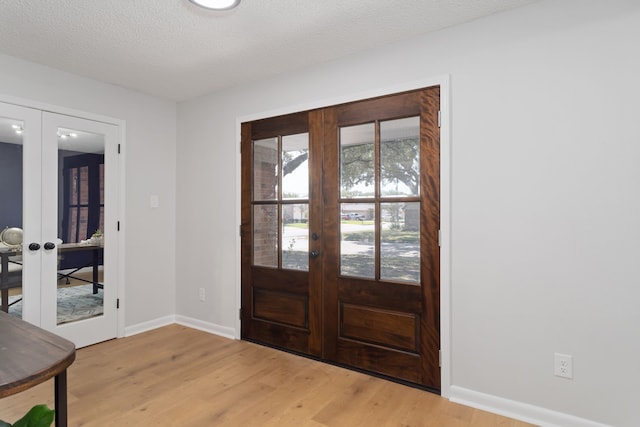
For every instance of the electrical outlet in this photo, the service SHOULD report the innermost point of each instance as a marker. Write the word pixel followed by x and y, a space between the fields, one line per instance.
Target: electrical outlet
pixel 563 365
pixel 202 294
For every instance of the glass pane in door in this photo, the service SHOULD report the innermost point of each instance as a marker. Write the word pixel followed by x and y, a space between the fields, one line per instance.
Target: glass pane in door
pixel 400 157
pixel 400 242
pixel 81 239
pixel 11 163
pixel 295 236
pixel 295 217
pixel 358 240
pixel 295 166
pixel 357 156
pixel 265 235
pixel 265 169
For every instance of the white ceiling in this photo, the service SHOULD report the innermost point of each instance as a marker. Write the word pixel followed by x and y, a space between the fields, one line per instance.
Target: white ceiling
pixel 175 50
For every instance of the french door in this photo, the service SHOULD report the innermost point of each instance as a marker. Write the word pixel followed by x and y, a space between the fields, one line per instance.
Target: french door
pixel 340 222
pixel 281 232
pixel 47 283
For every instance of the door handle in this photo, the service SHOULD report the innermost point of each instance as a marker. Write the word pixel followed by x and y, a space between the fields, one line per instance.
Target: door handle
pixel 314 254
pixel 49 245
pixel 34 246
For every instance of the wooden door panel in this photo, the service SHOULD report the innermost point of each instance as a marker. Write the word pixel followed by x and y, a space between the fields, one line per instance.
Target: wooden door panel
pixel 392 329
pixel 295 282
pixel 381 360
pixel 280 336
pixel 280 307
pixel 398 297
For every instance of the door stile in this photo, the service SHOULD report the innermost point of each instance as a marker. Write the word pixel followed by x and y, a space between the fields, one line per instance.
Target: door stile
pixel 316 234
pixel 246 236
pixel 331 226
pixel 430 226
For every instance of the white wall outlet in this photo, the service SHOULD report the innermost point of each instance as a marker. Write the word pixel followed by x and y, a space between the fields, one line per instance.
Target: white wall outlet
pixel 563 365
pixel 154 201
pixel 201 294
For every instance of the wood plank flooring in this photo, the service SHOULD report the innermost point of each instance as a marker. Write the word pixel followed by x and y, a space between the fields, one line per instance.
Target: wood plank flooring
pixel 177 376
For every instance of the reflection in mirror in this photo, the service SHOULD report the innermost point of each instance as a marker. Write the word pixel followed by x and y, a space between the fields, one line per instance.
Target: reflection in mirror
pixel 80 223
pixel 11 155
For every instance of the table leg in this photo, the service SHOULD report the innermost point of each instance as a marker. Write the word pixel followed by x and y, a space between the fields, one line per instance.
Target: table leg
pixel 5 300
pixel 96 261
pixel 4 276
pixel 60 393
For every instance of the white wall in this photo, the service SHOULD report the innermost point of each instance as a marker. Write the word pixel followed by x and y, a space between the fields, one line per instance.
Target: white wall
pixel 545 203
pixel 150 169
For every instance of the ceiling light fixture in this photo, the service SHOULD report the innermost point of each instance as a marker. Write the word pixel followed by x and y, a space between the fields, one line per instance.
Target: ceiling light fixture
pixel 216 4
pixel 62 135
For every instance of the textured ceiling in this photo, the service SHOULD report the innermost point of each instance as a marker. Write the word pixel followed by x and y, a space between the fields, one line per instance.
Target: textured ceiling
pixel 175 50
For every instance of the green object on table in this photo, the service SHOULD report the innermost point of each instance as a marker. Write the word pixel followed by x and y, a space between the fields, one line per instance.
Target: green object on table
pixel 38 416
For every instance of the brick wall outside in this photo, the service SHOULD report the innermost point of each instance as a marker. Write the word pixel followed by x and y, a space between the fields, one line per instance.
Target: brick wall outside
pixel 265 217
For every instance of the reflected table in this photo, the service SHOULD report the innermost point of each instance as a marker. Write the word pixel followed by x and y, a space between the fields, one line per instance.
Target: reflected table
pixel 29 356
pixel 14 279
pixel 8 279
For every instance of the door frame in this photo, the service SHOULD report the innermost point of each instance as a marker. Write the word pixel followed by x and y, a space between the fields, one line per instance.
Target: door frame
pixel 121 125
pixel 444 81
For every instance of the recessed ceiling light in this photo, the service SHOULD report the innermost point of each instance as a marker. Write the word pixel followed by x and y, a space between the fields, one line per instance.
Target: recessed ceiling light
pixel 217 4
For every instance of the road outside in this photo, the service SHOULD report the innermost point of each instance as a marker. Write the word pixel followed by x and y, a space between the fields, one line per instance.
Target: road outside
pixel 400 250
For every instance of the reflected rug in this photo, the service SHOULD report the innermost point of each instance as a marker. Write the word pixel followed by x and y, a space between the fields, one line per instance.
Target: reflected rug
pixel 74 303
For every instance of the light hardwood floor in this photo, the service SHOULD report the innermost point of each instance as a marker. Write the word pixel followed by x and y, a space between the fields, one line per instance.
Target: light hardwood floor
pixel 177 376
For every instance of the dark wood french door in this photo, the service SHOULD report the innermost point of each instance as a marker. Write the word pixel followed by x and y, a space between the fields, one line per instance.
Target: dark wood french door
pixel 340 223
pixel 281 211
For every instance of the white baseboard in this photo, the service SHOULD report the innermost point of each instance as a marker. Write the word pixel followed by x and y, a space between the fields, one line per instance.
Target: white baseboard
pixel 148 326
pixel 517 410
pixel 190 322
pixel 211 328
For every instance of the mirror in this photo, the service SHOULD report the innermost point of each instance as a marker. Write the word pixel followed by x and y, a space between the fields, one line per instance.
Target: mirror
pixel 80 224
pixel 11 160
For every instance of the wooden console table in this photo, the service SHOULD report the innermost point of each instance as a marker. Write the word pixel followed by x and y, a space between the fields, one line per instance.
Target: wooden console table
pixel 29 356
